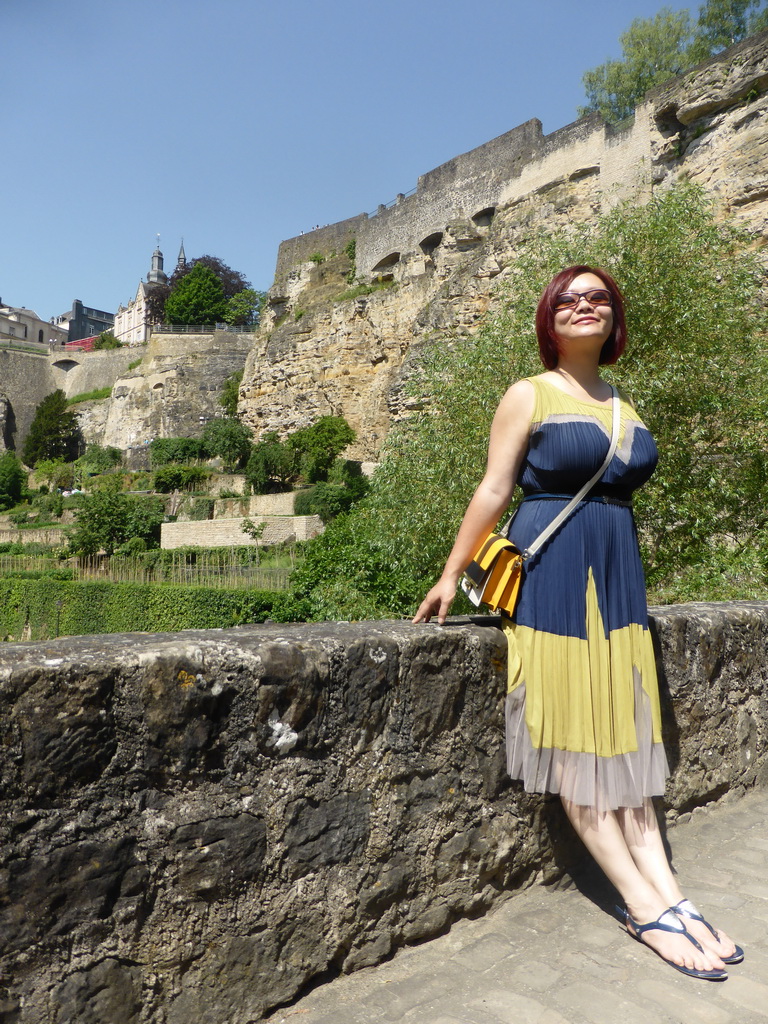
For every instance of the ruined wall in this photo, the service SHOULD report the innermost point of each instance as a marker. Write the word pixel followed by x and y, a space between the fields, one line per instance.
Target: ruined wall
pixel 450 247
pixel 194 825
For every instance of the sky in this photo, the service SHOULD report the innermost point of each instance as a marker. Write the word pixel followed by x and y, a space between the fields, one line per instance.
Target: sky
pixel 236 124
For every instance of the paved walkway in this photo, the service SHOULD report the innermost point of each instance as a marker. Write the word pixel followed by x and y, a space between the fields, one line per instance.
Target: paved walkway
pixel 557 957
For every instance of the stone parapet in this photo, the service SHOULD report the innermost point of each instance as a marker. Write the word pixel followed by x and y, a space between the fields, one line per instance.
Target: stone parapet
pixel 197 824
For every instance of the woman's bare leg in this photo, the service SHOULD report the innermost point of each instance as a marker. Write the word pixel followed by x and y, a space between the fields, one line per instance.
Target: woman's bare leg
pixel 644 841
pixel 602 835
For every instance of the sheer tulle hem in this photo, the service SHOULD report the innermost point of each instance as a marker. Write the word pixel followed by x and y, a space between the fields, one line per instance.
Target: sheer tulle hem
pixel 604 783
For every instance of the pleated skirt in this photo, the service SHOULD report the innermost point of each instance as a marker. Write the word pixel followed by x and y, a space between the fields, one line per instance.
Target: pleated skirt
pixel 582 712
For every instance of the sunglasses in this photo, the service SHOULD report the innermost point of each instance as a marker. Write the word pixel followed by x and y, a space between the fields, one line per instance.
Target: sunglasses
pixel 594 296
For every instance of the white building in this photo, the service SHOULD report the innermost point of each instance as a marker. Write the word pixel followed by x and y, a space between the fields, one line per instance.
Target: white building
pixel 24 326
pixel 133 323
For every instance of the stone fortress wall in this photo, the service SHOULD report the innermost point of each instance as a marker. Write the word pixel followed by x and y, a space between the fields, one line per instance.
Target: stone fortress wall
pixel 450 247
pixel 524 161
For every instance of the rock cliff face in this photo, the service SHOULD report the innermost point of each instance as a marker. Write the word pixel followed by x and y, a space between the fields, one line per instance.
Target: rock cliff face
pixel 445 249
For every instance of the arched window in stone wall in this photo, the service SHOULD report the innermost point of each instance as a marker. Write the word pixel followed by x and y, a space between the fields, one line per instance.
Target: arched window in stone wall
pixel 383 270
pixel 483 218
pixel 40 336
pixel 431 242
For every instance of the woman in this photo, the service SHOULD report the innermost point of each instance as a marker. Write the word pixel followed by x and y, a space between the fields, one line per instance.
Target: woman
pixel 583 714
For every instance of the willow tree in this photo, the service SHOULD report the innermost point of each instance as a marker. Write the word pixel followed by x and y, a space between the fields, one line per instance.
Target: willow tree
pixel 695 366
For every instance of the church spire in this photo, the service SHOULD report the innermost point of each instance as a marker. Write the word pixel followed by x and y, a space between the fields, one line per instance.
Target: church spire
pixel 157 274
pixel 181 262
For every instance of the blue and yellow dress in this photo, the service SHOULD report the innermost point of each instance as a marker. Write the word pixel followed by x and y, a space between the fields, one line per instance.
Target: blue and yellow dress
pixel 582 713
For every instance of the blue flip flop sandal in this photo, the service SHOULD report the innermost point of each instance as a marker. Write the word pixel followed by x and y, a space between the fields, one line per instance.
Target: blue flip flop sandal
pixel 686 909
pixel 669 921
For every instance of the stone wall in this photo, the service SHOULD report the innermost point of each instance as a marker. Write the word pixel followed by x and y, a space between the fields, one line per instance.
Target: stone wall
pixel 78 372
pixel 224 533
pixel 173 393
pixel 523 161
pixel 25 380
pixel 196 825
pixel 450 248
pixel 325 240
pixel 255 505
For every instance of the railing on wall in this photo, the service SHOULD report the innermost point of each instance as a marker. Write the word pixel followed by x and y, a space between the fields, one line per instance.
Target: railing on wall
pixel 19 345
pixel 394 202
pixel 202 328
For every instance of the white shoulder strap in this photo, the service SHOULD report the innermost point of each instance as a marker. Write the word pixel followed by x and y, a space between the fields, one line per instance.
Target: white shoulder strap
pixel 564 513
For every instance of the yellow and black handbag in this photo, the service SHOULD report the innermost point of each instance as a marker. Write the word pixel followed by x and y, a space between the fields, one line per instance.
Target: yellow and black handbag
pixel 494 575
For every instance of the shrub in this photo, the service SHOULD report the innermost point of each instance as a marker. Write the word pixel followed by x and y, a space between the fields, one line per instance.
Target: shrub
pixel 163 450
pixel 179 478
pixel 106 340
pixel 230 440
pixel 48 606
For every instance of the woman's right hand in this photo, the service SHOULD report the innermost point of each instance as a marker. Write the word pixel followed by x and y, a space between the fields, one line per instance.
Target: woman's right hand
pixel 437 602
pixel 509 442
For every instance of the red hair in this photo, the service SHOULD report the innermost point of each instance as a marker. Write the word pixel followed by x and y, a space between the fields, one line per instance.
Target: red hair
pixel 545 316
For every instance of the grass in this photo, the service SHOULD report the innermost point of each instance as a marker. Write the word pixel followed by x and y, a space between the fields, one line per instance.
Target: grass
pixel 90 396
pixel 364 289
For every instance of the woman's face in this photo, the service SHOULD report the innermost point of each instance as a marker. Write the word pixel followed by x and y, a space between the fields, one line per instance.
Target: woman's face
pixel 588 320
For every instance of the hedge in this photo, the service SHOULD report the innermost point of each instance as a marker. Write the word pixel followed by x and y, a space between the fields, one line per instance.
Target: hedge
pixel 38 609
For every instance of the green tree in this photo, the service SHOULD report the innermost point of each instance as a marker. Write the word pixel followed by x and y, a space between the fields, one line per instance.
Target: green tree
pixel 653 50
pixel 230 393
pixel 724 22
pixel 55 473
pixel 230 440
pixel 97 459
pixel 198 298
pixel 106 340
pixel 13 480
pixel 107 519
pixel 178 478
pixel 232 281
pixel 244 308
pixel 656 49
pixel 271 466
pixel 164 450
pixel 319 445
pixel 54 432
pixel 695 365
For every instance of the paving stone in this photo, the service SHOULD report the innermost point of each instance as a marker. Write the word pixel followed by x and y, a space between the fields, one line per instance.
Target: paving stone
pixel 556 957
pixel 486 953
pixel 598 1005
pixel 747 993
pixel 396 999
pixel 682 1004
pixel 533 975
pixel 509 1007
